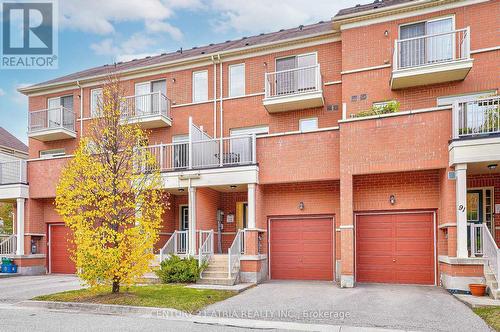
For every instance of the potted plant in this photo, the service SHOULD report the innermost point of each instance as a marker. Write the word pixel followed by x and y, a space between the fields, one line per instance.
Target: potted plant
pixel 477 289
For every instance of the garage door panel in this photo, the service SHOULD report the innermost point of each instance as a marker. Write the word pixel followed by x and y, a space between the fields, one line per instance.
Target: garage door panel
pixel 60 246
pixel 301 249
pixel 403 252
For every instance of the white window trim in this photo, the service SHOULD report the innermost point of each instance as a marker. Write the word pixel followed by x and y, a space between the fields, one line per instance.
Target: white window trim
pixel 295 56
pixel 59 98
pixel 194 86
pixel 439 18
pixel 257 130
pixel 244 79
pixel 93 113
pixel 308 119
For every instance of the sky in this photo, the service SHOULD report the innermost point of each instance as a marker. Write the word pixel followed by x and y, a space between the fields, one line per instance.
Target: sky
pixel 96 32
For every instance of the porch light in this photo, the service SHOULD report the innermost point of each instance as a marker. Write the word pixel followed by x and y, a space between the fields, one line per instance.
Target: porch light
pixel 392 199
pixel 232 186
pixel 301 205
pixel 492 166
pixel 181 190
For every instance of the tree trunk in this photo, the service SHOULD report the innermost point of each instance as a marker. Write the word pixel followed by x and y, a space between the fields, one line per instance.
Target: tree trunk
pixel 116 287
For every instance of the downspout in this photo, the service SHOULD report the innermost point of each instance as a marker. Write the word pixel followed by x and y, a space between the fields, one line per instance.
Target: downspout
pixel 221 96
pixel 215 95
pixel 81 108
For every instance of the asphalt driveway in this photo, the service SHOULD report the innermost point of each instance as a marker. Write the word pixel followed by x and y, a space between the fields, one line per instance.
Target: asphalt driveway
pixel 414 308
pixel 15 289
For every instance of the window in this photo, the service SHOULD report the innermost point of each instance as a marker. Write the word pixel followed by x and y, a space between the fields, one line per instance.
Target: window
pixel 237 80
pixel 55 117
pixel 95 100
pixel 421 51
pixel 257 130
pixel 52 153
pixel 200 86
pixel 180 155
pixel 290 81
pixel 147 99
pixel 308 124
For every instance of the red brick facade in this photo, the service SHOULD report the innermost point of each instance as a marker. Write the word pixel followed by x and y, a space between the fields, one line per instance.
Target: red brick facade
pixel 345 167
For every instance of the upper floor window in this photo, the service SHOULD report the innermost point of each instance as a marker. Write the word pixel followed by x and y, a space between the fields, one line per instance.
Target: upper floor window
pixel 200 86
pixel 308 124
pixel 296 74
pixel 65 101
pixel 426 42
pixel 237 80
pixel 257 130
pixel 147 100
pixel 95 100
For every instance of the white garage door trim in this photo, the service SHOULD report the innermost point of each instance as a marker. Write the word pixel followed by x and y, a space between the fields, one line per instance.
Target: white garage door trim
pixel 297 217
pixel 433 212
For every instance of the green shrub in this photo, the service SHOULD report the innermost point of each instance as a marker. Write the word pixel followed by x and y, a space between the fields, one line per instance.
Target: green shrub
pixel 390 107
pixel 176 269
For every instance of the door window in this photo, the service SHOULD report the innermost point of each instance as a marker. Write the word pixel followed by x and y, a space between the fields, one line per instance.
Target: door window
pixel 184 218
pixel 142 99
pixel 289 80
pixel 181 151
pixel 158 89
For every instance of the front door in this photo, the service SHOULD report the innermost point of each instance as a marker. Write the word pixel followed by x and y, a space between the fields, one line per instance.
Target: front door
pixel 184 226
pixel 474 218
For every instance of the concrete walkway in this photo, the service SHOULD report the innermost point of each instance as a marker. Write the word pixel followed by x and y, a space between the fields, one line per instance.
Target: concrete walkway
pixel 21 288
pixel 384 306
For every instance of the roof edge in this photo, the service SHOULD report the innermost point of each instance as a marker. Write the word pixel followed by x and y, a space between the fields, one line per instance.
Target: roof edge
pixel 205 57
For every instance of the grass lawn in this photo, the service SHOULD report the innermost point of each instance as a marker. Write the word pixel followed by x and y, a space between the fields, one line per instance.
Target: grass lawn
pixel 165 296
pixel 490 315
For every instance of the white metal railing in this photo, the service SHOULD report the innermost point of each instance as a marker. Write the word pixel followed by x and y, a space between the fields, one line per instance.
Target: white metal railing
pixel 52 118
pixel 431 49
pixel 234 253
pixel 293 81
pixel 491 252
pixel 206 249
pixel 236 150
pixel 177 244
pixel 13 172
pixel 154 103
pixel 475 239
pixel 8 245
pixel 477 117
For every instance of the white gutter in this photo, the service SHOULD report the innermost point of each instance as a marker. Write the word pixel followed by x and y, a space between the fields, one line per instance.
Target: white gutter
pixel 180 61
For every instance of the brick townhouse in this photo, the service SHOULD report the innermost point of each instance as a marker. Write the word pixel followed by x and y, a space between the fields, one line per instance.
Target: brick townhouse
pixel 272 172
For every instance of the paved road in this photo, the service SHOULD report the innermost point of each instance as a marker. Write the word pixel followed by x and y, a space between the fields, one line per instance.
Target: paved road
pixel 21 288
pixel 30 319
pixel 384 306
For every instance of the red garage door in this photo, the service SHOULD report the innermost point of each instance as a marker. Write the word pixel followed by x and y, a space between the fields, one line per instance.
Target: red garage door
pixel 301 249
pixel 395 248
pixel 59 254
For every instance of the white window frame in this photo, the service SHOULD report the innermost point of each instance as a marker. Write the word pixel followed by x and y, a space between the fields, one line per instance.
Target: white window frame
pixel 257 130
pixel 194 99
pixel 94 111
pixel 301 121
pixel 244 80
pixel 51 153
pixel 295 56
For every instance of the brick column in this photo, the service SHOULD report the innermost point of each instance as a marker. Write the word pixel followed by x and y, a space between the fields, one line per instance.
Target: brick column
pixel 346 231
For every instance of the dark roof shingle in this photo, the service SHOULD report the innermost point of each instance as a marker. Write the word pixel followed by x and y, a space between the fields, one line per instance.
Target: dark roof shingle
pixel 374 5
pixel 10 141
pixel 284 34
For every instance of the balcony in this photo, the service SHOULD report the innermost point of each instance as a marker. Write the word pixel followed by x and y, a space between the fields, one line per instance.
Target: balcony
pixel 13 179
pixel 476 131
pixel 293 89
pixel 52 124
pixel 150 110
pixel 431 59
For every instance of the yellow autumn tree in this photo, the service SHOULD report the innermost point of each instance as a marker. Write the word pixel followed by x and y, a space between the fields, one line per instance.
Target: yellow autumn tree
pixel 110 196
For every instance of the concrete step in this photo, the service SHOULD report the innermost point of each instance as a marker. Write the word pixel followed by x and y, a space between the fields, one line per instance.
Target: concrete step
pixel 214 274
pixel 217 281
pixel 218 257
pixel 215 269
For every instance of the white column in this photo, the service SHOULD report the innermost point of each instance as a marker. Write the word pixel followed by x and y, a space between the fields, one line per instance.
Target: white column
pixel 20 226
pixel 192 221
pixel 251 206
pixel 461 201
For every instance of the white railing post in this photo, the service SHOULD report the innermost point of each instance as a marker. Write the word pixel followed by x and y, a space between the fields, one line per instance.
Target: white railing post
pixel 190 144
pixel 456 119
pixel 467 43
pixel 221 152
pixel 266 85
pixel 395 56
pixel 161 157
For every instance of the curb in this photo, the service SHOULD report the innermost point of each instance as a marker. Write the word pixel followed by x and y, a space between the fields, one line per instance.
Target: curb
pixel 177 315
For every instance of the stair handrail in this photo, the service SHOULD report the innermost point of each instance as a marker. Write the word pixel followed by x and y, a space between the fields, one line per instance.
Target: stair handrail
pixel 8 246
pixel 234 253
pixel 491 252
pixel 206 249
pixel 169 247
